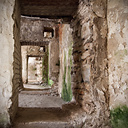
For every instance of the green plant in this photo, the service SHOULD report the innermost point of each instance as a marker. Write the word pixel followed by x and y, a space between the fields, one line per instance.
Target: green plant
pixel 50 82
pixel 66 93
pixel 119 117
pixel 66 88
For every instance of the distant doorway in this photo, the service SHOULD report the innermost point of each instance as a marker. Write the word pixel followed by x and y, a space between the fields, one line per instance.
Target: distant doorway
pixel 35 70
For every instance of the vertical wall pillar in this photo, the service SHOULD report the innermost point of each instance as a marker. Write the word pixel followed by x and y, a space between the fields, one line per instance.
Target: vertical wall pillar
pixel 24 64
pixel 90 67
pixel 117 17
pixel 65 54
pixel 9 77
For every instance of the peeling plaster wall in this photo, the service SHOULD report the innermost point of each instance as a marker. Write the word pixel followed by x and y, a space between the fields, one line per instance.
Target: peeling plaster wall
pixel 24 64
pixel 117 17
pixel 53 60
pixel 8 31
pixel 17 69
pixel 65 55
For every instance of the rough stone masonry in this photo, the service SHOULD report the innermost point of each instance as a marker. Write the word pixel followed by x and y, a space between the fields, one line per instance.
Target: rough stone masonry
pixel 99 72
pixel 90 73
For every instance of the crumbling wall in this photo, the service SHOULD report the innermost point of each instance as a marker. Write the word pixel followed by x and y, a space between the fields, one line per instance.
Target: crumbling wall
pixel 9 61
pixel 32 29
pixel 32 32
pixel 65 54
pixel 117 17
pixel 90 76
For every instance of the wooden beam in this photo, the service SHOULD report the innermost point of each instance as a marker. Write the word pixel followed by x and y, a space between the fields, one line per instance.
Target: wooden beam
pixel 49 2
pixel 43 43
pixel 47 8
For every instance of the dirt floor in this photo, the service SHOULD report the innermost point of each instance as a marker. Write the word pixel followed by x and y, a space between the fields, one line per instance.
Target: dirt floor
pixel 41 108
pixel 64 117
pixel 39 99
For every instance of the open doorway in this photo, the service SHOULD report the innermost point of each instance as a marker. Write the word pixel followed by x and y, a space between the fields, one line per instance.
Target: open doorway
pixel 35 67
pixel 35 70
pixel 53 60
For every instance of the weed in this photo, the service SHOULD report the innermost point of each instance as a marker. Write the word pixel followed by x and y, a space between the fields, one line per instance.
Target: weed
pixel 119 117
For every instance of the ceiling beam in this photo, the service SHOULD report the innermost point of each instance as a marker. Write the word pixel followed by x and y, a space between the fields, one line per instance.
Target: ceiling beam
pixel 25 43
pixel 49 8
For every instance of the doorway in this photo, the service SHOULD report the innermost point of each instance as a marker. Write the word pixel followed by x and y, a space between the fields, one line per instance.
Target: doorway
pixel 35 70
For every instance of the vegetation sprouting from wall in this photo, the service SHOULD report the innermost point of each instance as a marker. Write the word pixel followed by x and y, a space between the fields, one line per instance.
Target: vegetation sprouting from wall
pixel 119 117
pixel 45 67
pixel 66 87
pixel 50 82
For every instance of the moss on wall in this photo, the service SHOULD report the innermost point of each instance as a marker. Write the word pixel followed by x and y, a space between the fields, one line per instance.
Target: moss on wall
pixel 3 121
pixel 49 81
pixel 66 87
pixel 119 117
pixel 45 68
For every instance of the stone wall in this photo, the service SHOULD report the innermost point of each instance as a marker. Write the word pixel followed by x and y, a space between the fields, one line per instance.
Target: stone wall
pixel 65 54
pixel 117 17
pixel 90 76
pixel 45 63
pixel 10 65
pixel 32 31
pixel 94 74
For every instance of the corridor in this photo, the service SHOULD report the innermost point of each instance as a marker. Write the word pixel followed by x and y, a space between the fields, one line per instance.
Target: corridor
pixel 64 63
